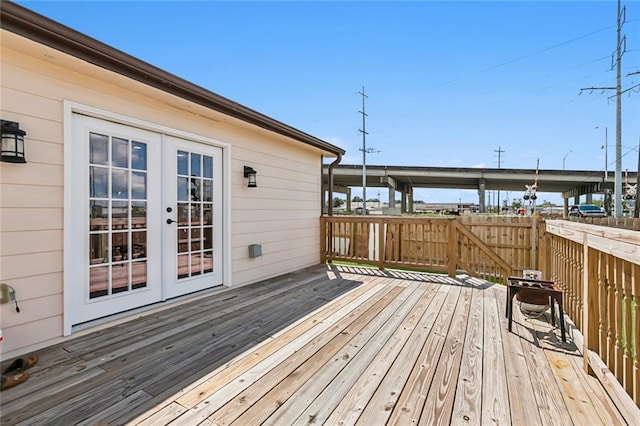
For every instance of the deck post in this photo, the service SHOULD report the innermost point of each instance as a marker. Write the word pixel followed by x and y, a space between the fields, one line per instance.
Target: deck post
pixel 543 250
pixel 453 248
pixel 589 300
pixel 324 241
pixel 381 244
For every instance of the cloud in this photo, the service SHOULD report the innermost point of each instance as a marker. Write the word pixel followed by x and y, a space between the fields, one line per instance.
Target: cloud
pixel 479 166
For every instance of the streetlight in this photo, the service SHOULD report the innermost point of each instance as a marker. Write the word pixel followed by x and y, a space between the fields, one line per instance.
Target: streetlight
pixel 565 157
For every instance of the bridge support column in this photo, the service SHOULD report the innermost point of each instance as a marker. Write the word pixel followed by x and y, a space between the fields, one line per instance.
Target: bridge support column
pixel 392 198
pixel 410 199
pixel 589 198
pixel 403 202
pixel 576 200
pixel 565 207
pixel 349 199
pixel 481 197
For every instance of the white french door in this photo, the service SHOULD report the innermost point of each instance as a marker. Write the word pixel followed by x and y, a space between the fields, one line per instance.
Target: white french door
pixel 146 221
pixel 192 216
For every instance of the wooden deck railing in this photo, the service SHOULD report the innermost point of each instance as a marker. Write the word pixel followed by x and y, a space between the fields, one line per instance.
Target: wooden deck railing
pixel 429 243
pixel 599 270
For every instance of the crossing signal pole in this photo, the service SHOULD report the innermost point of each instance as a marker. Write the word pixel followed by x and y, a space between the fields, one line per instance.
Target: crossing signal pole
pixel 499 151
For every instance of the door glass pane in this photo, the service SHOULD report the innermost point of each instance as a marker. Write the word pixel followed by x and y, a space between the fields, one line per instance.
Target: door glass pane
pixel 196 189
pixel 208 237
pixel 207 163
pixel 99 215
pixel 139 245
pixel 183 266
pixel 183 163
pixel 138 275
pixel 98 248
pixel 138 214
pixel 120 152
pixel 195 165
pixel 196 263
pixel 138 156
pixel 183 189
pixel 183 240
pixel 120 277
pixel 98 182
pixel 195 214
pixel 119 215
pixel 138 185
pixel 120 246
pixel 183 214
pixel 207 214
pixel 119 184
pixel 98 281
pixel 195 239
pixel 207 190
pixel 118 224
pixel 207 262
pixel 98 149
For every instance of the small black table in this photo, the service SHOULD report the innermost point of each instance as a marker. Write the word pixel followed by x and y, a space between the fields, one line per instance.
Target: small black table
pixel 549 288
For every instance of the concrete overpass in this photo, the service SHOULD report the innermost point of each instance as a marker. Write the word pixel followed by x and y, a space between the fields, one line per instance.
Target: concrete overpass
pixel 569 183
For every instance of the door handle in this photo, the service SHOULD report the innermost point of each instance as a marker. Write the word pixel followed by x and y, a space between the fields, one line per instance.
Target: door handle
pixel 170 221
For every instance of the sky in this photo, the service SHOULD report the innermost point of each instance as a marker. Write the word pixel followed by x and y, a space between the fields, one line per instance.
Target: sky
pixel 447 83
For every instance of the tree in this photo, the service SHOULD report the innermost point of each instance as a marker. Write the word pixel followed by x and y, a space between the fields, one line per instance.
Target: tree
pixel 356 199
pixel 516 204
pixel 337 202
pixel 373 200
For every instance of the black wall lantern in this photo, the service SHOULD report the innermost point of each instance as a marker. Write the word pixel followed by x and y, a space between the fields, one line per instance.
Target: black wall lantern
pixel 12 146
pixel 251 175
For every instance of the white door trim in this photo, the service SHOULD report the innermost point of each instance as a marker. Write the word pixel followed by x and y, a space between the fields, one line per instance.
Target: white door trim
pixel 70 108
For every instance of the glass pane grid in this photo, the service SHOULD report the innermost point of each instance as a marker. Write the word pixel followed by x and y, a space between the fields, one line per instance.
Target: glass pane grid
pixel 118 207
pixel 194 233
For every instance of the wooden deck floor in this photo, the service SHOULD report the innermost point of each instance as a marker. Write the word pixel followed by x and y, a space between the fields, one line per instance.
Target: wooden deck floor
pixel 327 345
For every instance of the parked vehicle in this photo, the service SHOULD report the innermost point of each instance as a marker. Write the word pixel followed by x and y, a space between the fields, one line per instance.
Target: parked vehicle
pixel 586 210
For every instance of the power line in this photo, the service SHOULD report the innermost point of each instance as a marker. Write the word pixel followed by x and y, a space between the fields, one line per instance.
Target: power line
pixel 555 46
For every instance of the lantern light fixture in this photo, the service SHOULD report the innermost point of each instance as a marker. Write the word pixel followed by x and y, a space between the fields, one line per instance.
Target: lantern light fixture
pixel 250 174
pixel 12 145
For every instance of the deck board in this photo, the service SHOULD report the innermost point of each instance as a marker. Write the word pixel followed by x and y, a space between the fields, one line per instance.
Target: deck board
pixel 325 345
pixel 519 386
pixel 468 401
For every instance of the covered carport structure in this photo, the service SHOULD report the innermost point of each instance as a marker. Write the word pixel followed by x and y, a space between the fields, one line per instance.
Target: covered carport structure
pixel 404 179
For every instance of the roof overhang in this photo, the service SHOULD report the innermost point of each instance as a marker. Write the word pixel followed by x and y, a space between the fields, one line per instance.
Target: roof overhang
pixel 28 24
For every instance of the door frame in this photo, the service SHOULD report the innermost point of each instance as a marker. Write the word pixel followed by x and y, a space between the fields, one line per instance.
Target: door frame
pixel 70 249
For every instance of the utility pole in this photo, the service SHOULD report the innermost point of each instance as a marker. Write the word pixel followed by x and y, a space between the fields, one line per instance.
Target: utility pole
pixel 636 206
pixel 618 174
pixel 500 151
pixel 620 50
pixel 364 153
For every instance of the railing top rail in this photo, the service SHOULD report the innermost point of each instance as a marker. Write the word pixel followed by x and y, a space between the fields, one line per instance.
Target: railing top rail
pixel 616 234
pixel 388 219
pixel 619 243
